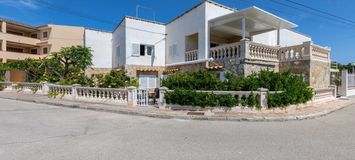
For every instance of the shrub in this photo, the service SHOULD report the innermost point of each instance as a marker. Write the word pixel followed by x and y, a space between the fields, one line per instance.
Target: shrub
pixel 202 99
pixel 295 90
pixel 115 79
pixel 197 80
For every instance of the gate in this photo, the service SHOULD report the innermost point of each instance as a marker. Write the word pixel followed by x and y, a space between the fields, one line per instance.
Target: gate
pixel 142 97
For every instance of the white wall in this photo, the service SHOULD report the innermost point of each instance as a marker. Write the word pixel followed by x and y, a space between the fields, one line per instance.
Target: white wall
pixel 195 21
pixel 119 45
pixel 100 44
pixel 141 32
pixel 287 38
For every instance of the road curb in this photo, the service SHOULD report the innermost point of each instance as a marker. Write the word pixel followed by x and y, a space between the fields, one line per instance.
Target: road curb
pixel 190 117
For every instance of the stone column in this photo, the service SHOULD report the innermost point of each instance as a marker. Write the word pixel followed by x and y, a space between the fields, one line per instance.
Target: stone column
pixel 7 76
pixel 45 88
pixel 3 27
pixel 278 37
pixel 335 93
pixel 262 97
pixel 344 83
pixel 132 96
pixel 244 24
pixel 162 102
pixel 75 91
pixel 244 49
pixel 3 45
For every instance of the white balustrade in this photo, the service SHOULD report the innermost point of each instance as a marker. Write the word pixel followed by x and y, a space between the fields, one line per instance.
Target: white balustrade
pixel 60 90
pixel 297 52
pixel 263 52
pixel 222 52
pixel 29 87
pixel 6 85
pixel 191 55
pixel 107 95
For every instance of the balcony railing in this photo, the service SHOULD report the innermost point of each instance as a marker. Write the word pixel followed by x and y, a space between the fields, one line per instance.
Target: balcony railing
pixel 232 50
pixel 263 52
pixel 191 55
pixel 256 51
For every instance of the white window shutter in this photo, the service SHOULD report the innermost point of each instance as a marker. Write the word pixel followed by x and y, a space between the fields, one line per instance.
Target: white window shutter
pixel 135 49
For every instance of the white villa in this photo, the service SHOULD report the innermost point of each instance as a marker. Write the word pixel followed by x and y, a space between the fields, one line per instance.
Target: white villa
pixel 209 36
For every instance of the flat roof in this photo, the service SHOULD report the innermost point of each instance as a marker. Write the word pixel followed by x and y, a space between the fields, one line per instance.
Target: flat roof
pixel 255 13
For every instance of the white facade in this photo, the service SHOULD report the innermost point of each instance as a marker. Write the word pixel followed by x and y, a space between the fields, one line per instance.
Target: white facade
pixel 100 44
pixel 189 31
pixel 287 38
pixel 131 35
pixel 194 21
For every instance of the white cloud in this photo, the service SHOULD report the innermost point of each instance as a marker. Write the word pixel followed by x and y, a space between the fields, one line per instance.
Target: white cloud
pixel 32 4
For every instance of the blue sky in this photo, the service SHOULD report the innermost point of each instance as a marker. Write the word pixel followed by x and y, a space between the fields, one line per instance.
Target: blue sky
pixel 104 14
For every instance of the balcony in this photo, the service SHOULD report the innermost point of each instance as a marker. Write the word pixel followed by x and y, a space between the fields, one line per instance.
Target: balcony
pixel 19 39
pixel 255 51
pixel 244 50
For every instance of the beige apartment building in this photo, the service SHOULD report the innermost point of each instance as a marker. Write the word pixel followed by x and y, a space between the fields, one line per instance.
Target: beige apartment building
pixel 20 41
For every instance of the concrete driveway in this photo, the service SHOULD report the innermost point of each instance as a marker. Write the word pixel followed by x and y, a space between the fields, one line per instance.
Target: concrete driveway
pixel 40 132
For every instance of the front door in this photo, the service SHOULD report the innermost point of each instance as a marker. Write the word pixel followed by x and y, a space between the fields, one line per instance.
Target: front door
pixel 147 81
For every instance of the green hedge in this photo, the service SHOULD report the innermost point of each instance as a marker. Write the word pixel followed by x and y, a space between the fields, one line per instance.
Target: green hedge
pixel 295 90
pixel 203 99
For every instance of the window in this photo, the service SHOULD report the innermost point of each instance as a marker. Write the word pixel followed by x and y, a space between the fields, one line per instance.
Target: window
pixel 34 36
pixel 14 49
pixel 45 34
pixel 173 50
pixel 45 50
pixel 142 50
pixel 149 50
pixel 33 51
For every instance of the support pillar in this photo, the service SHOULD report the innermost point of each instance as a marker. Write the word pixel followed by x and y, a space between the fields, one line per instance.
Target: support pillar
pixel 132 96
pixel 45 88
pixel 7 76
pixel 3 27
pixel 75 91
pixel 162 102
pixel 244 28
pixel 3 45
pixel 344 83
pixel 278 37
pixel 262 97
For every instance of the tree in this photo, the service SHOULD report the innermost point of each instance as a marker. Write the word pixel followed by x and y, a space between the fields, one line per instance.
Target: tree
pixel 34 68
pixel 69 60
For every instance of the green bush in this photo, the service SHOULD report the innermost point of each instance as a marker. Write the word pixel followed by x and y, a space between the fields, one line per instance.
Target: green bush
pixel 202 99
pixel 294 89
pixel 115 79
pixel 198 80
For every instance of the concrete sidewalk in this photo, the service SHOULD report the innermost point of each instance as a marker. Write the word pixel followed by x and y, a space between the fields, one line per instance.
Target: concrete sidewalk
pixel 306 111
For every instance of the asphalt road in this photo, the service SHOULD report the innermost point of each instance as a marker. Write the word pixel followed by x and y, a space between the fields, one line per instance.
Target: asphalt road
pixel 41 132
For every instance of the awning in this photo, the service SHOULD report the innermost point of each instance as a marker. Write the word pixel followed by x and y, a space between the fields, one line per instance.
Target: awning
pixel 256 21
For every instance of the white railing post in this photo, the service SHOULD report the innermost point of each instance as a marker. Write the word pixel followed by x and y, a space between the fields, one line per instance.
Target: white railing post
pixel 344 83
pixel 45 87
pixel 132 96
pixel 334 90
pixel 74 90
pixel 13 87
pixel 262 97
pixel 162 102
pixel 244 49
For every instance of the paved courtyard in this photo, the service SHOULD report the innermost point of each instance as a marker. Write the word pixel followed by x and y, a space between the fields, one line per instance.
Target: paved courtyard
pixel 31 131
